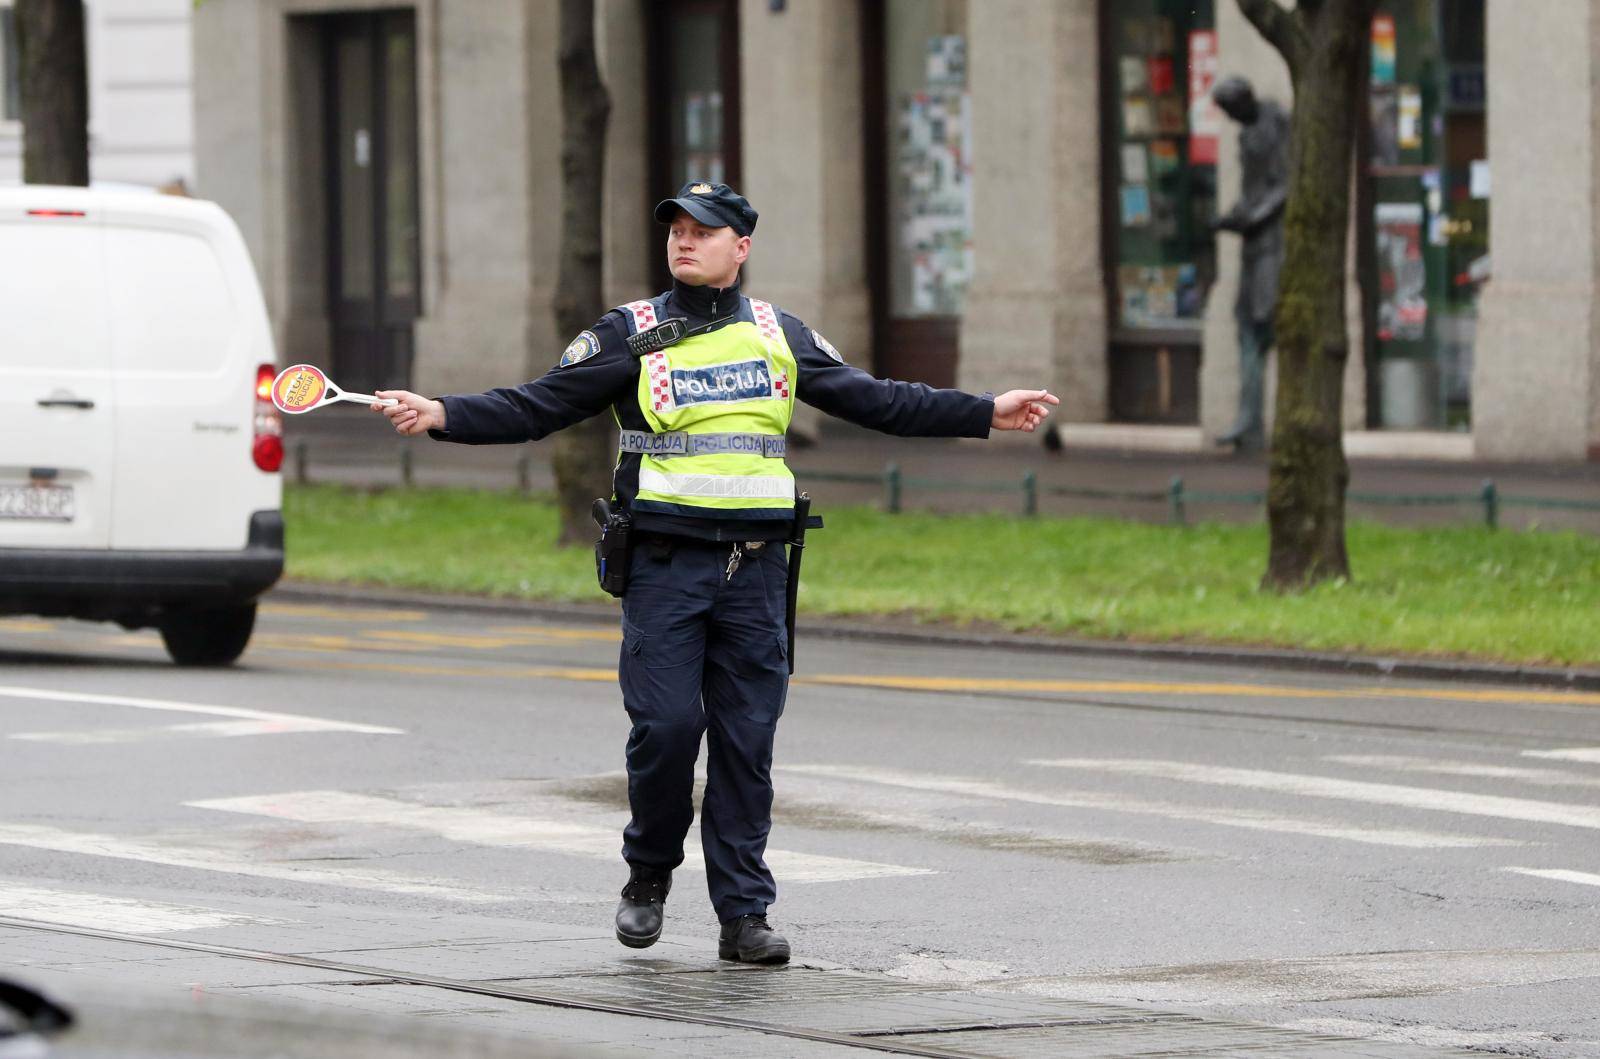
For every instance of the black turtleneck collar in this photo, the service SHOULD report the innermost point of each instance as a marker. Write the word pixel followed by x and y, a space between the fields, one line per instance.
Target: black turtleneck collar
pixel 703 304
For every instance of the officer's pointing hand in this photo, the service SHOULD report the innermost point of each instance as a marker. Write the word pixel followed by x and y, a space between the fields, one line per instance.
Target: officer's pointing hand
pixel 412 413
pixel 1022 409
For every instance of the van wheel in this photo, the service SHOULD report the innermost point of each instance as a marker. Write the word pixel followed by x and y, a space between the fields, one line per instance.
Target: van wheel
pixel 214 637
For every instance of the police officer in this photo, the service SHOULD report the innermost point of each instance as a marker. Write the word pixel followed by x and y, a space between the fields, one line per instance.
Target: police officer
pixel 701 471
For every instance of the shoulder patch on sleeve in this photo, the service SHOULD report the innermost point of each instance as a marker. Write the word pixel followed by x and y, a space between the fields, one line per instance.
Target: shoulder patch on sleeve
pixel 826 346
pixel 582 348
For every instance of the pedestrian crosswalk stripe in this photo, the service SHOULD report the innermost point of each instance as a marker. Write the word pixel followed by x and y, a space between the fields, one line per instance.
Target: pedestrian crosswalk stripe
pixel 1240 818
pixel 581 838
pixel 198 730
pixel 35 836
pixel 284 722
pixel 1525 809
pixel 105 912
pixel 1586 754
pixel 1543 777
pixel 1559 875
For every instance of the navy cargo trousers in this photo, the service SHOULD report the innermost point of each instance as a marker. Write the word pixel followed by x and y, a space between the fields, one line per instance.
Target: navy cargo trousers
pixel 704 654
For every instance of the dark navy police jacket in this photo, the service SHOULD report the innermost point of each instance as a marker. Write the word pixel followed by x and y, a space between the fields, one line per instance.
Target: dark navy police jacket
pixel 609 379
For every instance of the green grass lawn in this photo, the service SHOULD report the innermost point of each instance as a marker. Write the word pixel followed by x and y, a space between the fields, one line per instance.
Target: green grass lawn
pixel 1509 596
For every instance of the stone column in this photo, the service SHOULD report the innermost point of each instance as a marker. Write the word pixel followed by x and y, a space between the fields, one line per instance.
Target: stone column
pixel 1243 52
pixel 1036 312
pixel 498 170
pixel 1536 375
pixel 619 40
pixel 237 130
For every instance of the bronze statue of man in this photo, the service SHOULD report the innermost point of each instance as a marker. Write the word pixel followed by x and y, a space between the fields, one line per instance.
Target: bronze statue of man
pixel 1258 217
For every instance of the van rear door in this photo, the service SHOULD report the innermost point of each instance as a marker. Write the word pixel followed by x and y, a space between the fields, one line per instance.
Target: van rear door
pixel 188 334
pixel 57 412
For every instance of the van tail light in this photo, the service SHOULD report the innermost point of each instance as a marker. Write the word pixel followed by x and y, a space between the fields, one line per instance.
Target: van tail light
pixel 267 446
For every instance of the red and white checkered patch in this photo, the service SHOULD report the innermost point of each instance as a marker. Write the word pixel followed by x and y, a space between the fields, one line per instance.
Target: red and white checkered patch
pixel 644 315
pixel 780 386
pixel 766 318
pixel 660 376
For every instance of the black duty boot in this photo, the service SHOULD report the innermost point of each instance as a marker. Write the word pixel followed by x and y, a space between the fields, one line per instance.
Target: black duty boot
pixel 749 939
pixel 644 900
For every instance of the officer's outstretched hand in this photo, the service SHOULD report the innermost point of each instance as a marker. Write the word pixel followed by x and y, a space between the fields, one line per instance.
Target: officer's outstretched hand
pixel 412 413
pixel 1022 409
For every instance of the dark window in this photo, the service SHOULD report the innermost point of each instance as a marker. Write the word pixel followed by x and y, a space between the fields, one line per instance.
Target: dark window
pixel 693 73
pixel 10 68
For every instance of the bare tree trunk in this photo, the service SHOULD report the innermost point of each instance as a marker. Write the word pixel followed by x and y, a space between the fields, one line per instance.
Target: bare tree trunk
pixel 584 454
pixel 1322 42
pixel 55 91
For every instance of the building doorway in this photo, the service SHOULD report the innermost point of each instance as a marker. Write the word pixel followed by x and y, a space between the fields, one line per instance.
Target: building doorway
pixel 374 260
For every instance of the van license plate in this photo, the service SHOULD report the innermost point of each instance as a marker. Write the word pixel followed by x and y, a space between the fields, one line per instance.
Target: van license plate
pixel 42 503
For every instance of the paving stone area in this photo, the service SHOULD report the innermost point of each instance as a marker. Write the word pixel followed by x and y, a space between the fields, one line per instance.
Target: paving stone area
pixel 872 1009
pixel 958 1021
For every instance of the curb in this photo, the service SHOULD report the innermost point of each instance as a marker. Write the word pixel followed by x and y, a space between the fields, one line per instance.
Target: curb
pixel 1572 679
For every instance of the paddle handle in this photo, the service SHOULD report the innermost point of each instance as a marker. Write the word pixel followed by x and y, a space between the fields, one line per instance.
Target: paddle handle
pixel 365 398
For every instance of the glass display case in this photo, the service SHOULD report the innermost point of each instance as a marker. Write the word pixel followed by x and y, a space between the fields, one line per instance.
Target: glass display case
pixel 1425 244
pixel 1159 64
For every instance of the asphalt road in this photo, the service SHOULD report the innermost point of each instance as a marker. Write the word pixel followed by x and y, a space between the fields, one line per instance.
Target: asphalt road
pixel 1405 863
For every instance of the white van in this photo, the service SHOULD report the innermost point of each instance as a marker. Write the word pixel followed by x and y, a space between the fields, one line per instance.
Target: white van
pixel 139 448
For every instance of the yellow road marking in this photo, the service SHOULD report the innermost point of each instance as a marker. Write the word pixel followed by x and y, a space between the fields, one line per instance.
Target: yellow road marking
pixel 341 614
pixel 1081 687
pixel 439 639
pixel 606 635
pixel 415 669
pixel 1127 687
pixel 329 642
pixel 25 625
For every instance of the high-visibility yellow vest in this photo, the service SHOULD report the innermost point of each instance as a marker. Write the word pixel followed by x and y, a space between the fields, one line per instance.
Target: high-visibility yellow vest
pixel 718 406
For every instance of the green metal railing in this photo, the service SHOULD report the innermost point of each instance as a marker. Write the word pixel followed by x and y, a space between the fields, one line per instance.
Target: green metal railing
pixel 1176 495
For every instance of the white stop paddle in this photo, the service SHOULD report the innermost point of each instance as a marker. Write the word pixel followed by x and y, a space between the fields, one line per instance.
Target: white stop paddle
pixel 302 387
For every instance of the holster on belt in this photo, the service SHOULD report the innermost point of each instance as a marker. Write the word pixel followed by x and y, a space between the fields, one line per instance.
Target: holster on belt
pixel 612 550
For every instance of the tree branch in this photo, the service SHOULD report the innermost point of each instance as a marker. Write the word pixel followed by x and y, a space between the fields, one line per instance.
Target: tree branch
pixel 1281 28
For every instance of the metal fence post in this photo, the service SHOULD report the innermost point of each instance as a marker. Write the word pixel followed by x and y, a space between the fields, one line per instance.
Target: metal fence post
pixel 891 485
pixel 302 460
pixel 1175 501
pixel 407 459
pixel 1030 494
pixel 1491 504
pixel 525 473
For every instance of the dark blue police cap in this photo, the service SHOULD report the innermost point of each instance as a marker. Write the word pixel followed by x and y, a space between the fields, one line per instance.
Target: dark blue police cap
pixel 716 205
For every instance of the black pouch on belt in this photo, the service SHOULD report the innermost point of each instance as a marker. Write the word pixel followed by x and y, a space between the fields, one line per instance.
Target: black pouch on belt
pixel 612 549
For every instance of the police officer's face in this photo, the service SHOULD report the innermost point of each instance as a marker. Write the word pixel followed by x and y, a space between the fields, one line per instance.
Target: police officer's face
pixel 704 256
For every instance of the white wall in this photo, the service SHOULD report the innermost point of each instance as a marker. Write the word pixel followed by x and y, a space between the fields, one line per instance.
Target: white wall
pixel 141 114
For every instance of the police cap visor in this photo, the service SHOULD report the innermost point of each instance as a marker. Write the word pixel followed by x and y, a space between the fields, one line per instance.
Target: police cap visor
pixel 714 205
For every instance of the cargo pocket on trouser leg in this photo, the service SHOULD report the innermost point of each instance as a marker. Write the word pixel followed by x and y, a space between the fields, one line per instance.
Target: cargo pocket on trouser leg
pixel 660 673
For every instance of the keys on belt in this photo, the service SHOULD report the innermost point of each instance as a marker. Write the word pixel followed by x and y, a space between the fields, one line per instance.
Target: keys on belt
pixel 736 557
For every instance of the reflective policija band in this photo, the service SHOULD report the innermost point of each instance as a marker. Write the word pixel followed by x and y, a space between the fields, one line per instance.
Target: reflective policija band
pixel 716 486
pixel 678 443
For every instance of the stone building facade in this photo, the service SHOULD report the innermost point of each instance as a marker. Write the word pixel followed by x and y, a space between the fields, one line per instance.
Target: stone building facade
pixel 141 114
pixel 975 194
